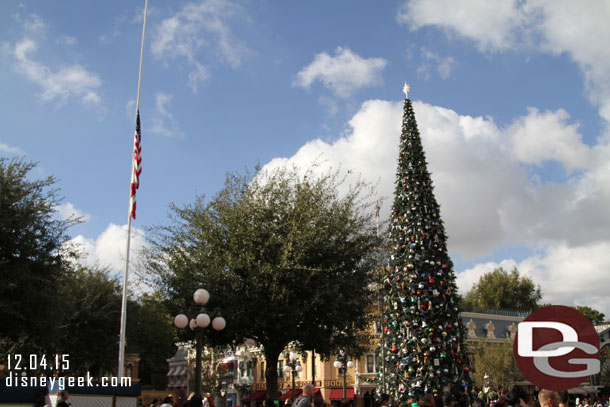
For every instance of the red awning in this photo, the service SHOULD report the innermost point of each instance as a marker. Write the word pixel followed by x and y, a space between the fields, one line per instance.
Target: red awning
pixel 258 395
pixel 337 394
pixel 288 395
pixel 226 366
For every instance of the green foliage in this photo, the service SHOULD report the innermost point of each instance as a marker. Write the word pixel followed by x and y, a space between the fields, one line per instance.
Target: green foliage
pixel 500 289
pixel 596 317
pixel 31 261
pixel 604 359
pixel 496 360
pixel 89 320
pixel 283 255
pixel 150 334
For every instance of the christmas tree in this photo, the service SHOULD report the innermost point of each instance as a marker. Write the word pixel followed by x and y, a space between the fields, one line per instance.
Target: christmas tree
pixel 424 336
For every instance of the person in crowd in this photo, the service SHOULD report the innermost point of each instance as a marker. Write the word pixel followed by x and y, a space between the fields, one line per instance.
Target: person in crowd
pixel 154 402
pixel 318 401
pixel 347 403
pixel 548 398
pixel 449 399
pixel 304 400
pixel 168 401
pixel 62 396
pixel 428 401
pixel 194 400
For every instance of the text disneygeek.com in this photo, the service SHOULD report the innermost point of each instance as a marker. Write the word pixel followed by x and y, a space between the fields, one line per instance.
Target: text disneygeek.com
pixel 16 380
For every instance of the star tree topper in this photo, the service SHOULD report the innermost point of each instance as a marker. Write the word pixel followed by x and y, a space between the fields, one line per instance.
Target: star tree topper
pixel 406 90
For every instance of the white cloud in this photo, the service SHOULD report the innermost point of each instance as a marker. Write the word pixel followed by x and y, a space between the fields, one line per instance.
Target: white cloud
pixel 108 249
pixel 539 137
pixel 130 107
pixel 60 83
pixel 162 100
pixel 197 75
pixel 470 277
pixel 566 275
pixel 431 60
pixel 68 40
pixel 68 211
pixel 489 193
pixel 573 275
pixel 492 24
pixel 32 24
pixel 164 123
pixel 197 27
pixel 551 26
pixel 5 148
pixel 343 73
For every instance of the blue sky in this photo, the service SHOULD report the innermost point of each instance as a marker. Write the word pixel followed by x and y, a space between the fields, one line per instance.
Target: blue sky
pixel 512 99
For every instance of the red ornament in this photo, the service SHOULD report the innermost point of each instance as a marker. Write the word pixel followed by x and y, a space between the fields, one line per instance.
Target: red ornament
pixel 431 281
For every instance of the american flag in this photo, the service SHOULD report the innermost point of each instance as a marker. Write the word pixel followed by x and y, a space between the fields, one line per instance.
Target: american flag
pixel 137 166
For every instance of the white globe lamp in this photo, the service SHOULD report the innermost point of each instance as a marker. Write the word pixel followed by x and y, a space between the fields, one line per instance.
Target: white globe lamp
pixel 219 323
pixel 203 320
pixel 201 296
pixel 181 321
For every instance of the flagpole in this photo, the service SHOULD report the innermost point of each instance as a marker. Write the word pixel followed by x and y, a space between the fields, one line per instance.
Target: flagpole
pixel 133 176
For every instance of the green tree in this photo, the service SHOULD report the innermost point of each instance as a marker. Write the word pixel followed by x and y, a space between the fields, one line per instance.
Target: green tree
pixel 150 334
pixel 89 319
pixel 596 317
pixel 424 334
pixel 496 360
pixel 500 289
pixel 283 255
pixel 31 259
pixel 604 359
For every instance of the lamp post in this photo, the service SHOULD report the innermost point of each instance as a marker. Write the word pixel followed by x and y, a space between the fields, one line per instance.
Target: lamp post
pixel 343 364
pixel 198 323
pixel 292 365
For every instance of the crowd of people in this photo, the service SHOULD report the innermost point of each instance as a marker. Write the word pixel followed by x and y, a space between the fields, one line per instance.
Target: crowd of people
pixel 517 397
pixel 309 398
pixel 193 400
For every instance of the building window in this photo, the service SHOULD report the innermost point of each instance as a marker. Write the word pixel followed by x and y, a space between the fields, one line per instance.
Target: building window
pixel 249 369
pixel 262 378
pixel 370 363
pixel 280 365
pixel 313 366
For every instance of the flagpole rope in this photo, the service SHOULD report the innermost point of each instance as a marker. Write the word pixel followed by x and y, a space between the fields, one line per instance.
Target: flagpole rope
pixel 133 176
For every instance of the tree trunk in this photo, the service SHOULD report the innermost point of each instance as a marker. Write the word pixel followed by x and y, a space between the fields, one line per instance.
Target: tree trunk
pixel 313 367
pixel 271 357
